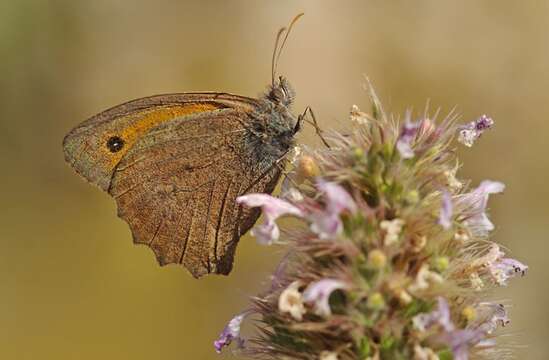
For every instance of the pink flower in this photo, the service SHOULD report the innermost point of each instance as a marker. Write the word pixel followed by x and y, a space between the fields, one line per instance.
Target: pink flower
pixel 477 200
pixel 338 199
pixel 327 223
pixel 272 208
pixel 318 293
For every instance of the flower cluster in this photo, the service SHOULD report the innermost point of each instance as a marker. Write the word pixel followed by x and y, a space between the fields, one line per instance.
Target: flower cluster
pixel 392 257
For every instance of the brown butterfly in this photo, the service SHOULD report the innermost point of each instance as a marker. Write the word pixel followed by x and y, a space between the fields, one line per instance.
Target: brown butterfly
pixel 176 163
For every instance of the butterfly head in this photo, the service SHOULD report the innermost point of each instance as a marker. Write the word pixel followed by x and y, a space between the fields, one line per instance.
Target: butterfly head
pixel 281 92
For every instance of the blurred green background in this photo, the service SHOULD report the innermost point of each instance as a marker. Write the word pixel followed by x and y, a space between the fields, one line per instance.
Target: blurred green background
pixel 72 285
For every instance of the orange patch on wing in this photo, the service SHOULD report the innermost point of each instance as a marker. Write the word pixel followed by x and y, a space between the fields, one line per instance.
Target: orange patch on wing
pixel 141 122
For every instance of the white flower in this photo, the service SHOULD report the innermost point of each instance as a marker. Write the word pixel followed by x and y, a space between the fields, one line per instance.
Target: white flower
pixel 451 180
pixel 424 353
pixel 358 117
pixel 392 230
pixel 493 255
pixel 290 301
pixel 461 236
pixel 476 282
pixel 328 355
pixel 424 279
pixel 403 297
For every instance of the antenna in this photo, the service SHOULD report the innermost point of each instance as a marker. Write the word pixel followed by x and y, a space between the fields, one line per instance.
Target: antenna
pixel 278 50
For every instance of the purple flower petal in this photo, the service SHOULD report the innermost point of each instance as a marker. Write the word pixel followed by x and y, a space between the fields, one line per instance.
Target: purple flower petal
pixel 439 316
pixel 407 135
pixel 469 133
pixel 496 316
pixel 514 267
pixel 327 223
pixel 266 233
pixel 484 123
pixel 506 268
pixel 500 268
pixel 230 332
pixel 337 198
pixel 459 341
pixel 405 149
pixel 446 210
pixel 488 187
pixel 272 208
pixel 318 293
pixel 477 200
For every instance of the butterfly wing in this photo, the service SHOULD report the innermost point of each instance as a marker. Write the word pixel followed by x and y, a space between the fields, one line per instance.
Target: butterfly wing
pixel 177 188
pixel 176 183
pixel 85 146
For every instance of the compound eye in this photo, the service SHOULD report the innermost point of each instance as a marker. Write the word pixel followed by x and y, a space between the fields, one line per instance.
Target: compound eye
pixel 115 144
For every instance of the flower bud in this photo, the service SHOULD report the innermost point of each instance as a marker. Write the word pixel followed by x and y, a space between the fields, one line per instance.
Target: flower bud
pixel 376 301
pixel 377 259
pixel 307 167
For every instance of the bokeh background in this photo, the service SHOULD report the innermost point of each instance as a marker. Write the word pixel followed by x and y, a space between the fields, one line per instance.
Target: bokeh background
pixel 72 285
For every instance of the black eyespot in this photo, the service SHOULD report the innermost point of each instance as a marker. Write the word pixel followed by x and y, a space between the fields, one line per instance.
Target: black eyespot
pixel 115 144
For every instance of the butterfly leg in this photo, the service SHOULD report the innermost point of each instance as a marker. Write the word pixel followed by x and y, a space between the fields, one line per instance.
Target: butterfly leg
pixel 314 123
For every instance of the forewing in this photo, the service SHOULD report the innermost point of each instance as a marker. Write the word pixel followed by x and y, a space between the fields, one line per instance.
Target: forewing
pixel 85 146
pixel 177 186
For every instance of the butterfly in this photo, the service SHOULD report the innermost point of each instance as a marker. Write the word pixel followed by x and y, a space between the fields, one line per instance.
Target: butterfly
pixel 176 163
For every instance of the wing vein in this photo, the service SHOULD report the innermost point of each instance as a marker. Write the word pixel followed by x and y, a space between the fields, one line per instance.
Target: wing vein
pixel 147 179
pixel 220 219
pixel 207 222
pixel 136 151
pixel 82 150
pixel 258 179
pixel 156 231
pixel 188 232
